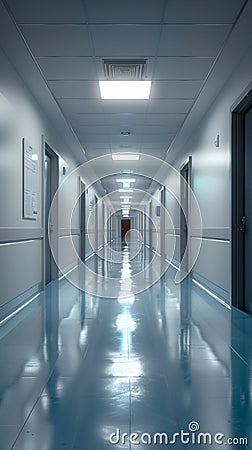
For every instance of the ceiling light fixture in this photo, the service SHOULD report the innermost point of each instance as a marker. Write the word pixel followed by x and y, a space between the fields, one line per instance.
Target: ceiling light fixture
pixel 126 180
pixel 125 156
pixel 125 90
pixel 125 190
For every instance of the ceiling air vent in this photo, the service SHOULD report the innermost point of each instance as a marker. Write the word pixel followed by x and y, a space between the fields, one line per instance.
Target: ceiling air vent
pixel 124 69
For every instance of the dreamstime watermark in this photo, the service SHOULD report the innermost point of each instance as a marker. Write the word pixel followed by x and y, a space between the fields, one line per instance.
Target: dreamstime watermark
pixel 192 436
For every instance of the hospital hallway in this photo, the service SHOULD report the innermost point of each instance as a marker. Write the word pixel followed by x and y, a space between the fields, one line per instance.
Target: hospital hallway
pixel 79 368
pixel 125 224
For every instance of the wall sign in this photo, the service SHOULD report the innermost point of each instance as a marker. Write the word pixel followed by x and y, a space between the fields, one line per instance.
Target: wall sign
pixel 30 181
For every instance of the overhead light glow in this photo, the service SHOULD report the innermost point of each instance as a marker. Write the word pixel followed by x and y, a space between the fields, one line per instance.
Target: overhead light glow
pixel 125 156
pixel 125 190
pixel 125 90
pixel 126 196
pixel 126 180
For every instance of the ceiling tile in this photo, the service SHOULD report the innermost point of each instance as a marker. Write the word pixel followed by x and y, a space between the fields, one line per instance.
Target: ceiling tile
pixel 125 141
pixel 121 147
pixel 92 139
pixel 179 68
pixel 47 11
pixel 95 153
pixel 75 89
pixel 171 121
pixel 98 129
pixel 125 106
pixel 169 106
pixel 125 41
pixel 87 119
pixel 161 139
pixel 64 68
pixel 149 146
pixel 108 139
pixel 98 147
pixel 198 11
pixel 125 119
pixel 81 106
pixel 57 40
pixel 192 40
pixel 121 11
pixel 175 89
pixel 155 151
pixel 151 130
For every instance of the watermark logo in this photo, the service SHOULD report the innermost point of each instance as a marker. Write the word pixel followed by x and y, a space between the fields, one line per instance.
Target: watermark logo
pixel 150 208
pixel 191 436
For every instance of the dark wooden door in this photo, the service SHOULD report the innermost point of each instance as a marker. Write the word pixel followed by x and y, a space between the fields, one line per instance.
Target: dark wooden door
pixel 125 226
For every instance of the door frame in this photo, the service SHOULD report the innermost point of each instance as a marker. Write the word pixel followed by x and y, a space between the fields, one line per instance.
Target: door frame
pixel 150 225
pixel 47 150
pixel 83 208
pixel 96 222
pixel 238 111
pixel 162 221
pixel 186 167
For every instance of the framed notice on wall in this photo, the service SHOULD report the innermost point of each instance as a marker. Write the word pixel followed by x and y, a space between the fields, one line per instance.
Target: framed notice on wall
pixel 30 181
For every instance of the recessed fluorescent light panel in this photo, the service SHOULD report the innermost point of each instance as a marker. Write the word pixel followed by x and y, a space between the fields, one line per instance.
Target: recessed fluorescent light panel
pixel 125 190
pixel 125 156
pixel 125 90
pixel 126 180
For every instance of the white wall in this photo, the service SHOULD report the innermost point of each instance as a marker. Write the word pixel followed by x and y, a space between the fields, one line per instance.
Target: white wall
pixel 21 116
pixel 211 181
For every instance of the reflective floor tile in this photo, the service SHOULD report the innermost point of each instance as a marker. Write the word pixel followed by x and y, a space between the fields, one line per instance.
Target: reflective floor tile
pixel 81 371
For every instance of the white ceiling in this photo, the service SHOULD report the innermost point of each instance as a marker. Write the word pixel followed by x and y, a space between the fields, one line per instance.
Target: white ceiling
pixel 181 40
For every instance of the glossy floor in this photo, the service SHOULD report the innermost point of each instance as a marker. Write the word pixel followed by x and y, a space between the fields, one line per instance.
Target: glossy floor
pixel 78 371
